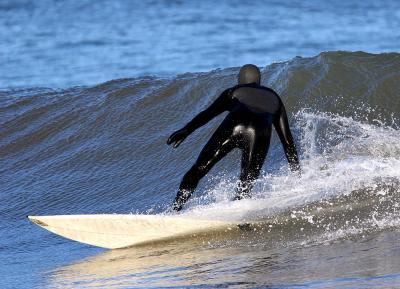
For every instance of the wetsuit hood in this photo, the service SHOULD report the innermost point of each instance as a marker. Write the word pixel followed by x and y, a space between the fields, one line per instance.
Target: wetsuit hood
pixel 249 73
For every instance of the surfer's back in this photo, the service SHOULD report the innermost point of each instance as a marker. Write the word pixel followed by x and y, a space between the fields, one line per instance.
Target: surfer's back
pixel 257 98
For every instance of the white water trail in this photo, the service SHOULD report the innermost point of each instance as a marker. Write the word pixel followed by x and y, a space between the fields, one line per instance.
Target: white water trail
pixel 339 155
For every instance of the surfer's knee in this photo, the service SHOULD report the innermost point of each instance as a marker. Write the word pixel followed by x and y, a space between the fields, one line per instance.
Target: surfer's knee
pixel 197 171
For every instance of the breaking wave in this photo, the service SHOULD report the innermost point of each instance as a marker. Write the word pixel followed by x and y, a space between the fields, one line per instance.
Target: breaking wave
pixel 102 149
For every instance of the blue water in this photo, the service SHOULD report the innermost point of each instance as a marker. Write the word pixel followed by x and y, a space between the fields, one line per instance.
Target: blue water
pixel 65 43
pixel 91 90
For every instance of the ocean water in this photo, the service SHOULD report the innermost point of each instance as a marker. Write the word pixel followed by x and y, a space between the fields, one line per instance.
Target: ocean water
pixel 62 43
pixel 90 91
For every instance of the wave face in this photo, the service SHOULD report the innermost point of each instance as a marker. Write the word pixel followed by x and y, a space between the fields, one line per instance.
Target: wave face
pixel 101 149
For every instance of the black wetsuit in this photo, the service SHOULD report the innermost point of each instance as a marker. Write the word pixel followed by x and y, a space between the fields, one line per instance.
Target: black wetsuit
pixel 253 109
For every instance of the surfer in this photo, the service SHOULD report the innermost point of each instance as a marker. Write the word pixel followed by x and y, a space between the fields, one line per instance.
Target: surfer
pixel 253 109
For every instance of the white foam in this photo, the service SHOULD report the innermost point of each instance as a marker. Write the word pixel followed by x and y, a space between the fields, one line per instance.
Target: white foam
pixel 338 155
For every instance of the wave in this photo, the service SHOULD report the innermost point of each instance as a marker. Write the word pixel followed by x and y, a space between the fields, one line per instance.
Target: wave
pixel 350 183
pixel 101 149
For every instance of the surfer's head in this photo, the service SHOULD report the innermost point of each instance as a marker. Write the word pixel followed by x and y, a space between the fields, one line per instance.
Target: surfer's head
pixel 249 73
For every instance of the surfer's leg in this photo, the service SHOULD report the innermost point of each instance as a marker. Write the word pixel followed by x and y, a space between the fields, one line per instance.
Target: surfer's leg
pixel 220 143
pixel 254 151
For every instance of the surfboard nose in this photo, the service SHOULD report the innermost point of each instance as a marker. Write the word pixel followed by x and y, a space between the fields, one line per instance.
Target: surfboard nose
pixel 35 220
pixel 114 231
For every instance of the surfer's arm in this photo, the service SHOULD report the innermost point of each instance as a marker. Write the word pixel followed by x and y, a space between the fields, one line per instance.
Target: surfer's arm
pixel 220 105
pixel 217 107
pixel 281 124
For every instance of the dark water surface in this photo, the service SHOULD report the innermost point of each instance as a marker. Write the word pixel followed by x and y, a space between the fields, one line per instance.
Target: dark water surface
pixel 89 93
pixel 101 149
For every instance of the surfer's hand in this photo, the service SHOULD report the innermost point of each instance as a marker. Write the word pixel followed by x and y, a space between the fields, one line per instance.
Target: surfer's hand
pixel 178 137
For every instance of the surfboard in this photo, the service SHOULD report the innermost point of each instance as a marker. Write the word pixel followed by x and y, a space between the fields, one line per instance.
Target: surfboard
pixel 113 231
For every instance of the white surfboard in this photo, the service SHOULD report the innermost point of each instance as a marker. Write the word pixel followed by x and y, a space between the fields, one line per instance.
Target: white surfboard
pixel 118 231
